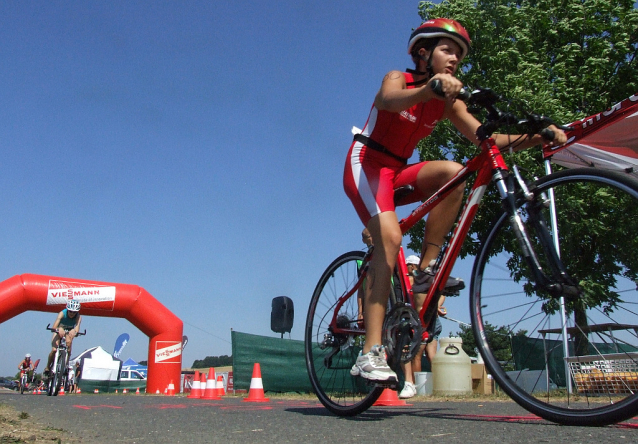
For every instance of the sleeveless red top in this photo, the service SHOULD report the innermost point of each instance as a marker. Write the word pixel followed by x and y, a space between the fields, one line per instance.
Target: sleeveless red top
pixel 400 132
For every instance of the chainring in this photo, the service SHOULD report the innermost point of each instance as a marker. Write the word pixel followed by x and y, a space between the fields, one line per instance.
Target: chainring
pixel 401 334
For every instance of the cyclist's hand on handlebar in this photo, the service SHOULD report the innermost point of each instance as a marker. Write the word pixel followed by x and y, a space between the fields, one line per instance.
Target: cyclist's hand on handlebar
pixel 445 86
pixel 553 136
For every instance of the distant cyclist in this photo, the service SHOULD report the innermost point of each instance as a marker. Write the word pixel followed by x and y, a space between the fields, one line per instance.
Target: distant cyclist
pixel 25 366
pixel 67 325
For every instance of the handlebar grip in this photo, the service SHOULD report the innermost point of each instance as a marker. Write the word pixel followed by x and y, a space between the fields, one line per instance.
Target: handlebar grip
pixel 547 134
pixel 463 95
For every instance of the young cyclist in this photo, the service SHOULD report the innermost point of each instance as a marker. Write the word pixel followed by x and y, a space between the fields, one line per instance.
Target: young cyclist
pixel 406 109
pixel 25 366
pixel 67 325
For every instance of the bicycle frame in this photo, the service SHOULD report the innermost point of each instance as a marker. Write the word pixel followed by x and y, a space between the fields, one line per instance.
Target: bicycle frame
pixel 488 164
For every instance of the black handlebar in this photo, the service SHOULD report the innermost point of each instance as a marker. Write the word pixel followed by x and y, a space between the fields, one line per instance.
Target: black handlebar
pixel 463 95
pixel 55 330
pixel 486 99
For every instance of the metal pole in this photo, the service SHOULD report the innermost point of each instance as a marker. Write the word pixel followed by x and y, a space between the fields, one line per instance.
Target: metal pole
pixel 563 314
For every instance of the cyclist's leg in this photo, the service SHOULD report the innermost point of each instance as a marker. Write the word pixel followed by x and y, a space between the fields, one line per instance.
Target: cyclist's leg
pixel 55 341
pixel 386 235
pixel 431 177
pixel 69 344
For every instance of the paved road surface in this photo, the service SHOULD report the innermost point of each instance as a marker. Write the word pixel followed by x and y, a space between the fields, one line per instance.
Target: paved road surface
pixel 160 419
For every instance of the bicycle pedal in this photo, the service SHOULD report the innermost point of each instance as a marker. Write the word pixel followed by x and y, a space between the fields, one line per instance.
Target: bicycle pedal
pixel 391 384
pixel 451 293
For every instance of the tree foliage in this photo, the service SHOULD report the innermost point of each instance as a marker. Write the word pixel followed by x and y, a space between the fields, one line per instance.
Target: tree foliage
pixel 566 59
pixel 499 339
pixel 213 361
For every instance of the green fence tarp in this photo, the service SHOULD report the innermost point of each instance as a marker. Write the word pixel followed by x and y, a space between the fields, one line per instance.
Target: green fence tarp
pixel 282 363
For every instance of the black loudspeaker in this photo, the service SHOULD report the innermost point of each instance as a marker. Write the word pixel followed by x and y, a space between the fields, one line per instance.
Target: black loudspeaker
pixel 282 315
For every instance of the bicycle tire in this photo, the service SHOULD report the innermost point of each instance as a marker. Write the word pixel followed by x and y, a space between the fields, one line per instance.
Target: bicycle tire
pixel 59 372
pixel 21 387
pixel 597 225
pixel 50 386
pixel 339 391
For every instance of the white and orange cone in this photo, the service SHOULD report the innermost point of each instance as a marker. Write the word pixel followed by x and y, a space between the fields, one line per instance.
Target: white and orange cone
pixel 389 397
pixel 170 390
pixel 196 391
pixel 220 386
pixel 256 392
pixel 210 392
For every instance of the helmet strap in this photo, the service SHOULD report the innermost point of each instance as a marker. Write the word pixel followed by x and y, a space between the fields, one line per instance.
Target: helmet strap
pixel 429 72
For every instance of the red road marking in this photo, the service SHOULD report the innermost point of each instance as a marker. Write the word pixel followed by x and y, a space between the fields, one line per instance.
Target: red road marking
pixel 89 407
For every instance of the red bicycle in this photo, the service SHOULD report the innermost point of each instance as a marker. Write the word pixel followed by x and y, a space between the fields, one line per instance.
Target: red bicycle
pixel 557 272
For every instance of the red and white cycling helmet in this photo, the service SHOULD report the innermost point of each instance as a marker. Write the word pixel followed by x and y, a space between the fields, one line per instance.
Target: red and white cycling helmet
pixel 439 28
pixel 73 305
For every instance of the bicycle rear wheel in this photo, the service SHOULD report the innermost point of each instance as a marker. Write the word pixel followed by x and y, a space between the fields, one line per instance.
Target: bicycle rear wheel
pixel 524 333
pixel 329 357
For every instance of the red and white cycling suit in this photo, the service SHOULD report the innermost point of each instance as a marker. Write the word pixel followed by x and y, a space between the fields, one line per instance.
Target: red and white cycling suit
pixel 371 176
pixel 24 367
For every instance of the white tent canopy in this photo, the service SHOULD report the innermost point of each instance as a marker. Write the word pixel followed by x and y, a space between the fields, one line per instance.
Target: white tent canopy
pixel 98 365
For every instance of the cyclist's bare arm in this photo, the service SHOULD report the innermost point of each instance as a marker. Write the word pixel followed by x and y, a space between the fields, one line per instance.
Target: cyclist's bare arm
pixel 56 325
pixel 467 124
pixel 395 97
pixel 76 329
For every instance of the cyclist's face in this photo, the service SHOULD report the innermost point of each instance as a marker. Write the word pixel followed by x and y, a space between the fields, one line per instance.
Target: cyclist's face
pixel 446 56
pixel 72 313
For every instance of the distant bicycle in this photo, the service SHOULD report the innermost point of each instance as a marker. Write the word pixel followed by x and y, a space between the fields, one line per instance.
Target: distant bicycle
pixel 59 368
pixel 24 381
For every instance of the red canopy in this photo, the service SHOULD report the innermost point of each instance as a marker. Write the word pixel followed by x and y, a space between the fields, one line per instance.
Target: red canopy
pixel 605 140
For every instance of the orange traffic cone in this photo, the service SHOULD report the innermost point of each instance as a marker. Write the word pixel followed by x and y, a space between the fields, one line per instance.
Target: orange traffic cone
pixel 124 391
pixel 137 391
pixel 389 397
pixel 61 392
pixel 210 390
pixel 196 391
pixel 220 386
pixel 116 391
pixel 256 392
pixel 96 391
pixel 170 390
pixel 79 391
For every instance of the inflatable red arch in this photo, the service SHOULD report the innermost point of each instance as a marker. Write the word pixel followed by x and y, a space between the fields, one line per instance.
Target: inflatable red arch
pixel 50 294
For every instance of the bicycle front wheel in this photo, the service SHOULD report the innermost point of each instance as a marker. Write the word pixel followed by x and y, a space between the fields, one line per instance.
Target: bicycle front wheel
pixel 59 372
pixel 569 356
pixel 330 356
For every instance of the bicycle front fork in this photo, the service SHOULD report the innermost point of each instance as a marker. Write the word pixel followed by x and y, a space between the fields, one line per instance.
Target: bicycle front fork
pixel 515 194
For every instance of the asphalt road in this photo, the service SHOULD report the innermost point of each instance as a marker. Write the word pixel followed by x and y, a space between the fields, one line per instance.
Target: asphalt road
pixel 160 419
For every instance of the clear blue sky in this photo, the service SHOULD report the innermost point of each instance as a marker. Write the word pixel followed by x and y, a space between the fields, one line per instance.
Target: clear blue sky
pixel 192 148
